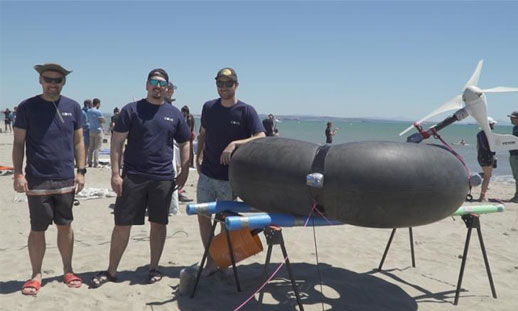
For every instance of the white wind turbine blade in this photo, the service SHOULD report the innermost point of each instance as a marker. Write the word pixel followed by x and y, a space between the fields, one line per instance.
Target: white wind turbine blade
pixel 475 76
pixel 454 103
pixel 501 89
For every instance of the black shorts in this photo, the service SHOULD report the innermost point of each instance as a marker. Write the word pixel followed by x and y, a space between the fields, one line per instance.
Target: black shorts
pixel 50 201
pixel 486 160
pixel 140 193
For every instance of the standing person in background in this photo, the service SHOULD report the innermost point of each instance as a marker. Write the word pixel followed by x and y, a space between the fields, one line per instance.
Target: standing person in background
pixel 7 120
pixel 150 126
pixel 50 126
pixel 330 133
pixel 513 158
pixel 168 98
pixel 268 124
pixel 96 120
pixel 189 118
pixel 114 119
pixel 486 159
pixel 87 104
pixel 226 124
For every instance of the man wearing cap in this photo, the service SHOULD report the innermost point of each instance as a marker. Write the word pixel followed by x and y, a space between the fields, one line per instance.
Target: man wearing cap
pixel 147 182
pixel 513 157
pixel 226 123
pixel 486 158
pixel 50 126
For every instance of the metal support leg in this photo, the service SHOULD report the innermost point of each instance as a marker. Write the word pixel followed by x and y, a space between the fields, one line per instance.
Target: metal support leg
pixel 205 254
pixel 232 258
pixel 386 249
pixel 274 237
pixel 412 246
pixel 471 222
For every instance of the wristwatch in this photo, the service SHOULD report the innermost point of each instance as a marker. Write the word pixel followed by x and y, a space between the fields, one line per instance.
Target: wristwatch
pixel 81 171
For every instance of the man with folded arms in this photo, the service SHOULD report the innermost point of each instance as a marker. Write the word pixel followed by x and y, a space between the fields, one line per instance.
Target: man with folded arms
pixel 147 183
pixel 51 127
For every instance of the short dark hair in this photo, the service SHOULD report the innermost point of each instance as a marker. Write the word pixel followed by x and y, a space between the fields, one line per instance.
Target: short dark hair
pixel 96 101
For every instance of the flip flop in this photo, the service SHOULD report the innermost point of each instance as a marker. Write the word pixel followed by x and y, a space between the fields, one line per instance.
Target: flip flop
pixel 154 276
pixel 72 280
pixel 101 278
pixel 35 284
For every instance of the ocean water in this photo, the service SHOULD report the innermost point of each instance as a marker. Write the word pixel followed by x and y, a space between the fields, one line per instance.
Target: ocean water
pixel 374 130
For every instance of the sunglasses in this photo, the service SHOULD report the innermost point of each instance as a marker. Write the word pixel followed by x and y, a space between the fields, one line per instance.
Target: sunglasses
pixel 155 82
pixel 52 80
pixel 225 83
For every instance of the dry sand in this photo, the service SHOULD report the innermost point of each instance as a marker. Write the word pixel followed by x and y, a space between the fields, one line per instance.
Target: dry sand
pixel 348 256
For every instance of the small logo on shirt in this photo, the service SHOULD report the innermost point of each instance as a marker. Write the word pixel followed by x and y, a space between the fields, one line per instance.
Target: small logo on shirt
pixel 235 122
pixel 169 119
pixel 66 114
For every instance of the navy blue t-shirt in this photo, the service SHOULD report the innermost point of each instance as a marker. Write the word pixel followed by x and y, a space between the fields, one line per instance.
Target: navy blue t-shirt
pixel 222 126
pixel 49 139
pixel 151 128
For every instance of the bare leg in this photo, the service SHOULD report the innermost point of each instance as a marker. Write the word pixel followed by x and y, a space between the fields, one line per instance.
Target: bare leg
pixel 488 171
pixel 120 238
pixel 36 246
pixel 66 246
pixel 156 242
pixel 205 229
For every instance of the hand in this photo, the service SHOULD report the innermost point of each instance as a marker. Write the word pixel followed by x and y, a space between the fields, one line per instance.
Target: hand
pixel 20 183
pixel 227 154
pixel 198 164
pixel 117 184
pixel 181 179
pixel 79 182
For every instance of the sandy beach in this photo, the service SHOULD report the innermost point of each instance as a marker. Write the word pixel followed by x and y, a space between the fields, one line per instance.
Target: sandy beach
pixel 348 258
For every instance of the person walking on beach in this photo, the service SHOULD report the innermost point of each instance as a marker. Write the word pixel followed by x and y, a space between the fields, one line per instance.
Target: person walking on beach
pixel 96 120
pixel 226 124
pixel 50 126
pixel 330 133
pixel 486 159
pixel 114 118
pixel 189 118
pixel 513 157
pixel 7 121
pixel 87 104
pixel 147 183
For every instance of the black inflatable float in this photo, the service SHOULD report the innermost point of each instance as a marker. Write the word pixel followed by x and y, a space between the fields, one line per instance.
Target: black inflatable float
pixel 370 184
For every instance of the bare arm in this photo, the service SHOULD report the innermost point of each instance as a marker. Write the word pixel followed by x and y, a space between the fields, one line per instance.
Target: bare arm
pixel 79 154
pixel 201 146
pixel 117 143
pixel 184 160
pixel 20 183
pixel 227 152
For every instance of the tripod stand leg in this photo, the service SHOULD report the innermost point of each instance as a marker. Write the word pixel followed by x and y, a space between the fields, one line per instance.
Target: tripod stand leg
pixel 265 272
pixel 486 262
pixel 205 254
pixel 463 264
pixel 232 259
pixel 412 246
pixel 386 249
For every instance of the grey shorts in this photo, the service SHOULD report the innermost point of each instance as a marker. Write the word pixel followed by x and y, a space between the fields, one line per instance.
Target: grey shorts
pixel 140 193
pixel 50 201
pixel 210 189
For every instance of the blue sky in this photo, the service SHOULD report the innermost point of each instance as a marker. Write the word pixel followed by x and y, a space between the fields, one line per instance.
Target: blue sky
pixel 345 59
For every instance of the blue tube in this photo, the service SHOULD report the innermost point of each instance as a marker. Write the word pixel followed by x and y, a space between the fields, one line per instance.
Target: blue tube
pixel 217 207
pixel 261 220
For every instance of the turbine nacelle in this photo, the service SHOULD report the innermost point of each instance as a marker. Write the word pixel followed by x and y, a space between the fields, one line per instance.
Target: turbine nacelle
pixel 473 102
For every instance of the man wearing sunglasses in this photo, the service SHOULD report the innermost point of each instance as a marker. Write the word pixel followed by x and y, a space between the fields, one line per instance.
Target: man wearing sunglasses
pixel 147 182
pixel 226 123
pixel 50 127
